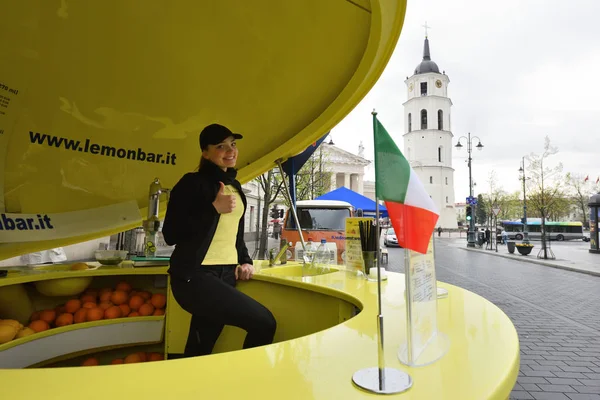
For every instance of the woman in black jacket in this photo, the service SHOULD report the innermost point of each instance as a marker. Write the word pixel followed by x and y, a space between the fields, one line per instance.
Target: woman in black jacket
pixel 205 222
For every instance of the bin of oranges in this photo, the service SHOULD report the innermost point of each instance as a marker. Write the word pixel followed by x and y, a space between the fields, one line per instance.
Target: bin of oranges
pixel 122 301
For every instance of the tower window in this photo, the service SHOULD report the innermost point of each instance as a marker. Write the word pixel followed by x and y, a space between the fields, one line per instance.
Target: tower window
pixel 409 122
pixel 440 120
pixel 440 154
pixel 446 199
pixel 423 119
pixel 446 180
pixel 423 88
pixel 431 179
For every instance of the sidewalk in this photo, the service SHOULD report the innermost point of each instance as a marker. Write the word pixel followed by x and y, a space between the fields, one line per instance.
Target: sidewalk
pixel 570 256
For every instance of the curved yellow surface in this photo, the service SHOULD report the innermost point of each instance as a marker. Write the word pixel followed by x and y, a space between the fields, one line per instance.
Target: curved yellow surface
pixel 99 98
pixel 482 361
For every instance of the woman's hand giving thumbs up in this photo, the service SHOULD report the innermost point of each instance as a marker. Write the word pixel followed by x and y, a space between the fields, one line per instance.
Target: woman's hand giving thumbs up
pixel 224 203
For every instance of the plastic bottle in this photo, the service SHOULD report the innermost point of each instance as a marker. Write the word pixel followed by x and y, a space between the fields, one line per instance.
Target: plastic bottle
pixel 309 250
pixel 321 259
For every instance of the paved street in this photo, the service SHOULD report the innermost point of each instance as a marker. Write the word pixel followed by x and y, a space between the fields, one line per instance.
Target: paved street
pixel 556 313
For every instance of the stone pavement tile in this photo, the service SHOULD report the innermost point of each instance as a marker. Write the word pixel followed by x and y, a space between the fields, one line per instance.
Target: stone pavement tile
pixel 549 362
pixel 536 362
pixel 534 357
pixel 520 395
pixel 594 360
pixel 539 373
pixel 559 358
pixel 564 381
pixel 566 352
pixel 549 396
pixel 577 369
pixel 557 388
pixel 588 354
pixel 576 375
pixel 580 363
pixel 531 379
pixel 587 389
pixel 547 367
pixel 531 387
pixel 584 396
pixel 590 382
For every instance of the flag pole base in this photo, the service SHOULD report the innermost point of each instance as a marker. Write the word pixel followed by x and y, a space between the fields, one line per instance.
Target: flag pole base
pixel 394 381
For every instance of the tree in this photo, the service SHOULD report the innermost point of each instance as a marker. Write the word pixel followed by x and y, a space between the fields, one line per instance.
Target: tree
pixel 314 178
pixel 545 185
pixel 271 185
pixel 580 189
pixel 481 212
pixel 510 204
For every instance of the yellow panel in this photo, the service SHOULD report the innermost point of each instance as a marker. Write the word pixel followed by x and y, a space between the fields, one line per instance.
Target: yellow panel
pixel 303 312
pixel 481 363
pixel 113 84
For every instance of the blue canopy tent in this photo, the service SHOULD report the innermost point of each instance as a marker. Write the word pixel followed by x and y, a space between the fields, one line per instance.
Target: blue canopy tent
pixel 356 199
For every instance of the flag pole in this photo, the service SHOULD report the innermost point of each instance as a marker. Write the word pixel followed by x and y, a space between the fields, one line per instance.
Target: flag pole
pixel 380 380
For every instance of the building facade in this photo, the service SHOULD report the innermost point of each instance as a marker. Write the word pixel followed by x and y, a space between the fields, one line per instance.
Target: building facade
pixel 346 169
pixel 428 135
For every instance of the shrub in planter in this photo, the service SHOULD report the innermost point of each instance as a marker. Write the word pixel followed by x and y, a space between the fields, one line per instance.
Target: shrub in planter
pixel 524 248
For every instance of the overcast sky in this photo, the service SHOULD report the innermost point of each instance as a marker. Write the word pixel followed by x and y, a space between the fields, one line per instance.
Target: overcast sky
pixel 519 70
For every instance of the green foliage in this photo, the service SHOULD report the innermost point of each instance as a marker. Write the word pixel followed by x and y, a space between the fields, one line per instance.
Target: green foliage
pixel 482 211
pixel 314 178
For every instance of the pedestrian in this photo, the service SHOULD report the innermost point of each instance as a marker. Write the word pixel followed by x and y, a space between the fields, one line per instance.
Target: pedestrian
pixel 488 234
pixel 504 236
pixel 205 222
pixel 439 229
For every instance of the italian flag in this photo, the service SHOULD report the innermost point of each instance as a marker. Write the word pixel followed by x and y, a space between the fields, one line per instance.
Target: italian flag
pixel 411 211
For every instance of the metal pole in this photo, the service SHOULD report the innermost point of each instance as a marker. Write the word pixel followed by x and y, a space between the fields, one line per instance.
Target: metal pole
pixel 380 353
pixel 525 230
pixel 471 234
pixel 409 310
pixel 292 207
pixel 496 231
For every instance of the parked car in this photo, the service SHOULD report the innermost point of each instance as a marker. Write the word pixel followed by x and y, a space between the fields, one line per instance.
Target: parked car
pixel 390 239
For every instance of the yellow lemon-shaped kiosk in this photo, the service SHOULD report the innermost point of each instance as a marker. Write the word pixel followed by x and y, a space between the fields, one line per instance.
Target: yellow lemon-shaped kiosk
pixel 100 98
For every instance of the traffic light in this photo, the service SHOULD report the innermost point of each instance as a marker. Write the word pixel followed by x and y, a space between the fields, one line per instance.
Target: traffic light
pixel 281 213
pixel 275 213
pixel 469 213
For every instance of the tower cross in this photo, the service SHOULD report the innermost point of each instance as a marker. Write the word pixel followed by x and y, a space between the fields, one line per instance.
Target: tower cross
pixel 426 27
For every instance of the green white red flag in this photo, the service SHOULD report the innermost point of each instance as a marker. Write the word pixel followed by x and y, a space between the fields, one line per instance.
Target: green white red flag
pixel 411 210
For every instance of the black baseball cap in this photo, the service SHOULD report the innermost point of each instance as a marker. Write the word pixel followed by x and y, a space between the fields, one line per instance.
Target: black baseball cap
pixel 215 134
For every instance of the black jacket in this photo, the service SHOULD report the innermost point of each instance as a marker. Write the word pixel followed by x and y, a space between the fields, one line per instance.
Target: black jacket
pixel 191 219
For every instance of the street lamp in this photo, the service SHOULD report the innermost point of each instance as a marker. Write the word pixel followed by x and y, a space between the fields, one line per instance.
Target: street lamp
pixel 523 178
pixel 471 232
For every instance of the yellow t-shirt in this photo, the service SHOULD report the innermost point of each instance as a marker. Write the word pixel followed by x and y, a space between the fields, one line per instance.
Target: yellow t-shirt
pixel 222 250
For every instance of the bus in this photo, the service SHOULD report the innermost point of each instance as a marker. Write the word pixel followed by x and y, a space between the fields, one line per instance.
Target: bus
pixel 560 230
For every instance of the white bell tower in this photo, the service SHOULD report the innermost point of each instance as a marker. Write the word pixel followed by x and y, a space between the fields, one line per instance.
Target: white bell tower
pixel 428 135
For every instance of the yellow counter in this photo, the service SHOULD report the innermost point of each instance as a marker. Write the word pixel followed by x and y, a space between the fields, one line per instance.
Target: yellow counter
pixel 482 362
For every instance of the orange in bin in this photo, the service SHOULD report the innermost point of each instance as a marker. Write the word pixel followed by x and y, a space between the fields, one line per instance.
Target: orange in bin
pixel 64 319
